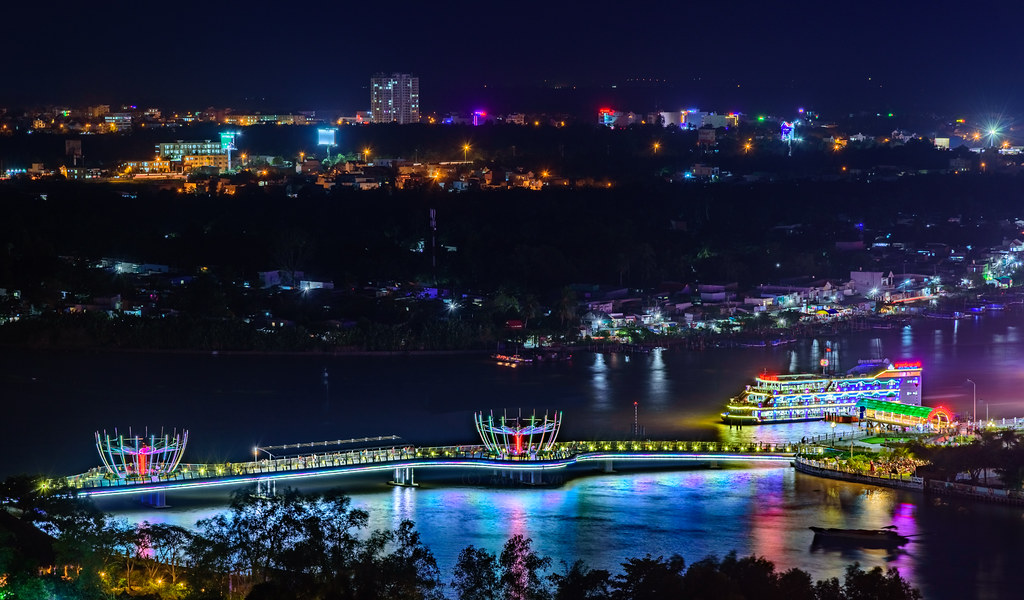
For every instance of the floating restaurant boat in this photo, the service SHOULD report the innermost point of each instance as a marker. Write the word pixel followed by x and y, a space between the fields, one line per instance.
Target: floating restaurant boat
pixel 813 397
pixel 886 537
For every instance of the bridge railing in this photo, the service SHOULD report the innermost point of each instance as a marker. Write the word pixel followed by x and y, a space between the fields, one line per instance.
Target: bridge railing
pixel 675 446
pixel 187 472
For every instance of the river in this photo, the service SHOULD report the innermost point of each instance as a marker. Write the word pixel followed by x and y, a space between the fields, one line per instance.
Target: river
pixel 230 403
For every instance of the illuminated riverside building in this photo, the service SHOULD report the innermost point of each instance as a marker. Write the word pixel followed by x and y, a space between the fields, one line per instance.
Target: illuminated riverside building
pixel 812 397
pixel 395 98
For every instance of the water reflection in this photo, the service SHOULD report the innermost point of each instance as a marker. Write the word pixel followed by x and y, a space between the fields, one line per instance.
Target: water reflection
pixel 657 386
pixel 599 382
pixel 906 341
pixel 403 505
pixel 604 519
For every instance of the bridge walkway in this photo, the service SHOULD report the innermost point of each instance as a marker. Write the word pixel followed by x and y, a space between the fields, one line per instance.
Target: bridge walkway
pixel 98 482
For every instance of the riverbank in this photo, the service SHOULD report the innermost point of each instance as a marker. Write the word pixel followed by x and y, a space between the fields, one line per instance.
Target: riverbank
pixel 918 484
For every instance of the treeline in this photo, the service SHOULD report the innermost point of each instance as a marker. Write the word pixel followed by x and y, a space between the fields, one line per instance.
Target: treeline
pixel 317 547
pixel 97 330
pixel 535 241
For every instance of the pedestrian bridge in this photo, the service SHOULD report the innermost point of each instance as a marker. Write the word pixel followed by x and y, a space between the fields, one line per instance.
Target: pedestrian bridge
pixel 405 460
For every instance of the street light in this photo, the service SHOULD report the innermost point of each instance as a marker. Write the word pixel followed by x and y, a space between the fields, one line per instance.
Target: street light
pixel 974 415
pixel 465 152
pixel 366 155
pixel 656 146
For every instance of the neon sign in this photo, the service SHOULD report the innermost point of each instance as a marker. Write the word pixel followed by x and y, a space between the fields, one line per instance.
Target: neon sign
pixel 907 364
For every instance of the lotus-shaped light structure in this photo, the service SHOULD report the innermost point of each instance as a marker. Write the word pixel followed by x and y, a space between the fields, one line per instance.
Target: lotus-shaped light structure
pixel 518 435
pixel 141 455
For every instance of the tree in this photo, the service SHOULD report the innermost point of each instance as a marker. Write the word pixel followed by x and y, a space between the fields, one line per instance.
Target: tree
pixel 651 578
pixel 506 301
pixel 170 545
pixel 578 582
pixel 130 546
pixel 476 575
pixel 331 543
pixel 567 307
pixel 410 570
pixel 795 584
pixel 520 570
pixel 876 584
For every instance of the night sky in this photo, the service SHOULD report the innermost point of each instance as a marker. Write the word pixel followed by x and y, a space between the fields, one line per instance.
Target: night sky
pixel 748 56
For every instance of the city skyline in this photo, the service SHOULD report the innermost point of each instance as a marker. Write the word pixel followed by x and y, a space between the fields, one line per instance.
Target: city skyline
pixel 742 56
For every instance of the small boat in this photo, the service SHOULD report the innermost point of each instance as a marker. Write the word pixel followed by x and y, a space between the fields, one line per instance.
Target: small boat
pixel 887 537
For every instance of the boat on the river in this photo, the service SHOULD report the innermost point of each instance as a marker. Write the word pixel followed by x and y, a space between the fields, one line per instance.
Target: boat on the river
pixel 816 396
pixel 511 360
pixel 886 537
pixel 538 356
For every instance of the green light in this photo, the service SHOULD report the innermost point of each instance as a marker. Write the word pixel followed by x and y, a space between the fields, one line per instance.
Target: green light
pixel 760 118
pixel 890 114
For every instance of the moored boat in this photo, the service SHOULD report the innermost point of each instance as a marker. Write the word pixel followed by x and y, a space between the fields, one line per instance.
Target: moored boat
pixel 868 538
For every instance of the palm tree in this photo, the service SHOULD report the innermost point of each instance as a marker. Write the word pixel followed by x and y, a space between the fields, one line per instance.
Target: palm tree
pixel 567 306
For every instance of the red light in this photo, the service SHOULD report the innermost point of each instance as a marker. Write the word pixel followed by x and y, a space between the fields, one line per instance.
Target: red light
pixel 907 364
pixel 606 110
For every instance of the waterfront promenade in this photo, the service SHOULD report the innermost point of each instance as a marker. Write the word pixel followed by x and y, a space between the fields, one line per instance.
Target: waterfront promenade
pixel 954 489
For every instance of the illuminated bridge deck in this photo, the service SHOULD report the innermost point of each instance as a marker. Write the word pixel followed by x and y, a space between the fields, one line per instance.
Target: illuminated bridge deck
pixel 98 483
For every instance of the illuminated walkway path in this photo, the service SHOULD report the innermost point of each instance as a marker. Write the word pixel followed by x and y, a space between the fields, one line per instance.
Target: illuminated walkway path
pixel 403 460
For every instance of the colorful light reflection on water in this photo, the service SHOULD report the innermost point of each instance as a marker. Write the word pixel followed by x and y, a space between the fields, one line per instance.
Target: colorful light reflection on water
pixel 606 518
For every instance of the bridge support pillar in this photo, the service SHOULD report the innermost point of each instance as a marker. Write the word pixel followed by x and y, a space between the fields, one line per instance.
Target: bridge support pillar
pixel 404 477
pixel 266 488
pixel 608 467
pixel 155 500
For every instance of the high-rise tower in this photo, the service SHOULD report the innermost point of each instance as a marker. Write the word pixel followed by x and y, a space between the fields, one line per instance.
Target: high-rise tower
pixel 395 98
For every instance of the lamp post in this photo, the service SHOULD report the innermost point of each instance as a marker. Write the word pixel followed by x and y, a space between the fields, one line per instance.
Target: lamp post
pixel 974 415
pixel 465 152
